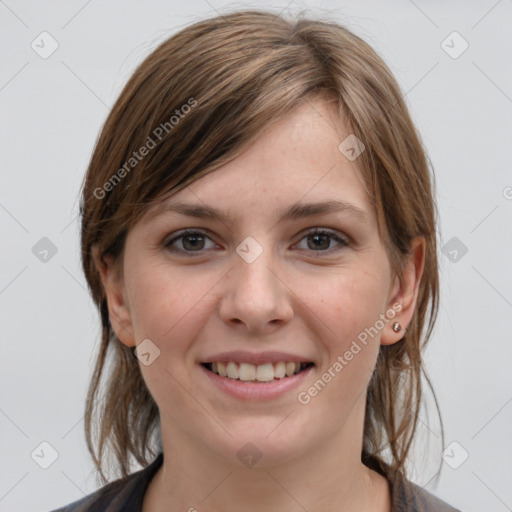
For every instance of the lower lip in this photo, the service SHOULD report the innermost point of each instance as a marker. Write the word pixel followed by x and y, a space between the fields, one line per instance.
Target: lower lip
pixel 247 390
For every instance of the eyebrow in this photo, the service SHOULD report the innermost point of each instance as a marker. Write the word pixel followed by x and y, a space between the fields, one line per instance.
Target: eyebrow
pixel 294 212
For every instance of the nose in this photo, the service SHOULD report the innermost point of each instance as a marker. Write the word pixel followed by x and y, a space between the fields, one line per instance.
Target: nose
pixel 256 297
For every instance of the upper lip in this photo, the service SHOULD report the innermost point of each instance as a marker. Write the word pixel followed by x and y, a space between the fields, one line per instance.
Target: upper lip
pixel 242 356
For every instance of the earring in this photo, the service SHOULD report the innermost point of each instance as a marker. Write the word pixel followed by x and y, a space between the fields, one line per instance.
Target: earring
pixel 397 327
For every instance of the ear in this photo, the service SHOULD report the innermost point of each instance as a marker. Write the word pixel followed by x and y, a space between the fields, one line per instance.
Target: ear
pixel 404 293
pixel 118 308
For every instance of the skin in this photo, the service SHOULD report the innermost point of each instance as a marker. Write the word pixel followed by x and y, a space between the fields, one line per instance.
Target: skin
pixel 310 298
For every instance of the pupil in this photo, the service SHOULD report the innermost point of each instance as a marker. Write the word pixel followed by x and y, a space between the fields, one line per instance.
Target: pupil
pixel 193 237
pixel 325 237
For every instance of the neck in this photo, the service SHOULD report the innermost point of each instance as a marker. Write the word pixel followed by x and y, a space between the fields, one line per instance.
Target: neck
pixel 328 477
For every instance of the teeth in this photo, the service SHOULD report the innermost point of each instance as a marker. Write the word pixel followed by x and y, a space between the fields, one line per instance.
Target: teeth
pixel 290 369
pixel 221 369
pixel 261 373
pixel 247 371
pixel 232 370
pixel 279 370
pixel 264 372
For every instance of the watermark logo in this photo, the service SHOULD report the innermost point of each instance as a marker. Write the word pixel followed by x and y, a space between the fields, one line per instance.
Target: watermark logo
pixel 44 45
pixel 351 147
pixel 146 352
pixel 455 455
pixel 455 249
pixel 44 250
pixel 249 454
pixel 249 249
pixel 44 455
pixel 454 45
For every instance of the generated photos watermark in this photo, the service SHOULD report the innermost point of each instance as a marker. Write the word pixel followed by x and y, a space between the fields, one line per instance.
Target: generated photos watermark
pixel 304 397
pixel 157 135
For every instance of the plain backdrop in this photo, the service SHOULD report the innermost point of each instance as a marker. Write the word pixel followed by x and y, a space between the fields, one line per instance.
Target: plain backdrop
pixel 452 60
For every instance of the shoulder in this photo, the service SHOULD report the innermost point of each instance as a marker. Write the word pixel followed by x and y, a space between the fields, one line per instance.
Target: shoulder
pixel 407 496
pixel 116 495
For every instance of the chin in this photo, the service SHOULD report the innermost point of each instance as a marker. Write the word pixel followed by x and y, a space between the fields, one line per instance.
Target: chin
pixel 264 442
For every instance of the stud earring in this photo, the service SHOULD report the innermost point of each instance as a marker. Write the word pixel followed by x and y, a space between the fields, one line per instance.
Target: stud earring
pixel 397 327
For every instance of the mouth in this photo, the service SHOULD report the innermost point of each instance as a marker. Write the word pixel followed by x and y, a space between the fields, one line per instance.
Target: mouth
pixel 257 373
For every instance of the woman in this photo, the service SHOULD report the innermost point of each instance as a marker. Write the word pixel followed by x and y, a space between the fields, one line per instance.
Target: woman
pixel 258 233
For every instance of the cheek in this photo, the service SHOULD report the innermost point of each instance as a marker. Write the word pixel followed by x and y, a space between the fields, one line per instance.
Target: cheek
pixel 350 308
pixel 170 309
pixel 168 306
pixel 351 303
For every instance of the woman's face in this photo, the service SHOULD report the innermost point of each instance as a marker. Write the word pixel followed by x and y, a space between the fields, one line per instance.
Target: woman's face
pixel 258 289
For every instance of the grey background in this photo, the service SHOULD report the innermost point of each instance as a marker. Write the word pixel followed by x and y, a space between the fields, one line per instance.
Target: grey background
pixel 51 112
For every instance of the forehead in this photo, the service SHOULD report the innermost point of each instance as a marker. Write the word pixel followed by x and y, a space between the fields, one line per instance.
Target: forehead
pixel 300 159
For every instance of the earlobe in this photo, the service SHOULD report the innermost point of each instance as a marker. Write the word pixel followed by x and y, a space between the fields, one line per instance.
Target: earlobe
pixel 113 285
pixel 404 294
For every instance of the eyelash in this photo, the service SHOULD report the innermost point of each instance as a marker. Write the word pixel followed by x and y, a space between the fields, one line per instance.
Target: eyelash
pixel 315 231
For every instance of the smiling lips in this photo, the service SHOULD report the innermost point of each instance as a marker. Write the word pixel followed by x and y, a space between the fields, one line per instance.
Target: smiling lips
pixel 266 372
pixel 245 366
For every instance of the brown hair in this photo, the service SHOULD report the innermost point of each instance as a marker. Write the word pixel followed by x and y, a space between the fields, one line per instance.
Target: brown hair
pixel 200 98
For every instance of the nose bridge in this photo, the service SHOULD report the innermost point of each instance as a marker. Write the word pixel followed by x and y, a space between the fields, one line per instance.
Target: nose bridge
pixel 255 295
pixel 252 265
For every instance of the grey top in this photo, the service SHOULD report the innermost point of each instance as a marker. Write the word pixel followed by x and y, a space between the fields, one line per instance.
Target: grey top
pixel 126 495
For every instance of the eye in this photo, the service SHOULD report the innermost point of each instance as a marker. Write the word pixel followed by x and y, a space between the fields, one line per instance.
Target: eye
pixel 190 240
pixel 319 239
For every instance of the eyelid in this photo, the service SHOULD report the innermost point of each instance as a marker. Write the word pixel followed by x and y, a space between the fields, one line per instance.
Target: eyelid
pixel 328 231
